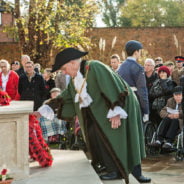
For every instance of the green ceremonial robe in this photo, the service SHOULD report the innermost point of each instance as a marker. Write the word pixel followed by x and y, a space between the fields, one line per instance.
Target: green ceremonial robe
pixel 105 88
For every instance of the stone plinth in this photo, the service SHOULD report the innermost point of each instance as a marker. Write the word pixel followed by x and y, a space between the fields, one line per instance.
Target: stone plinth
pixel 14 132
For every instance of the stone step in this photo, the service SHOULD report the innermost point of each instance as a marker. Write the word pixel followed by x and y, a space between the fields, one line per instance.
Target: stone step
pixel 69 167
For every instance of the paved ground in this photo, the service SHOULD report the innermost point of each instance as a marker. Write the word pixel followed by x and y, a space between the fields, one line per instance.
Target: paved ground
pixel 164 169
pixel 72 167
pixel 69 167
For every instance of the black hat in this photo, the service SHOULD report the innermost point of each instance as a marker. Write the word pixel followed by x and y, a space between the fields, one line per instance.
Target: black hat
pixel 179 59
pixel 178 90
pixel 132 46
pixel 65 56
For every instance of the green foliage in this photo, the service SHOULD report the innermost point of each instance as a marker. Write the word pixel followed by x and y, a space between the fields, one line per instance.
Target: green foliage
pixel 152 13
pixel 110 10
pixel 51 24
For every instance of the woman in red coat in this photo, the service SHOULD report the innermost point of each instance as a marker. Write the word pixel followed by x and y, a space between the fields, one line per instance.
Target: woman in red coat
pixel 9 80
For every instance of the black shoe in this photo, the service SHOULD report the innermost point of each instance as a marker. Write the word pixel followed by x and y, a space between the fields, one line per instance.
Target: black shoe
pixel 99 168
pixel 111 176
pixel 143 179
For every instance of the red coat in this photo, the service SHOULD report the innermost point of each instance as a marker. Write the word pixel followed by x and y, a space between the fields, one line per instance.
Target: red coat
pixel 12 85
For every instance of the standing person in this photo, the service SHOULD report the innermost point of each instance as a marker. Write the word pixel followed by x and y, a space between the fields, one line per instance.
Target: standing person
pixel 49 82
pixel 158 60
pixel 179 71
pixel 170 65
pixel 133 74
pixel 115 62
pixel 24 59
pixel 9 80
pixel 15 65
pixel 32 86
pixel 151 76
pixel 37 68
pixel 102 100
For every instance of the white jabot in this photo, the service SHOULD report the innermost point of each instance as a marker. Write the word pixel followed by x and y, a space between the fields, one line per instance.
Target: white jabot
pixel 46 112
pixel 80 86
pixel 117 111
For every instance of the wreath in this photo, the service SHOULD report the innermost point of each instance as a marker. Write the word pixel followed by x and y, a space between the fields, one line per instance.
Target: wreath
pixel 38 149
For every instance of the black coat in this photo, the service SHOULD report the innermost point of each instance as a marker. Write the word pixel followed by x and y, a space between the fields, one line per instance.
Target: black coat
pixel 150 80
pixel 160 92
pixel 34 90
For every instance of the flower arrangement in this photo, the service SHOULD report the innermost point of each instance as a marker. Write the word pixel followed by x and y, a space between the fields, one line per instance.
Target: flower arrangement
pixel 4 176
pixel 4 98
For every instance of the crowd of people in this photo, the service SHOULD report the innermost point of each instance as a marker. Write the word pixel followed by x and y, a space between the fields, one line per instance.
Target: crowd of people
pixel 141 93
pixel 26 81
pixel 164 85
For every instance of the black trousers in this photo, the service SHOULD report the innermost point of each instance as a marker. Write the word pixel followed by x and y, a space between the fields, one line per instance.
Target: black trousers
pixel 168 129
pixel 96 145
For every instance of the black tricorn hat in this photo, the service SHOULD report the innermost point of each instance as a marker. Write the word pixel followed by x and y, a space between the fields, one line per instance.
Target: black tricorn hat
pixel 65 56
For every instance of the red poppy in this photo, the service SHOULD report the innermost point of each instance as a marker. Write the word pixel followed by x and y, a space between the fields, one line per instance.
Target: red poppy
pixel 87 67
pixel 3 172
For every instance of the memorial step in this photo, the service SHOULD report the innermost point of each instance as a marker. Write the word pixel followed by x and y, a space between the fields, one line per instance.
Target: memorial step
pixel 69 167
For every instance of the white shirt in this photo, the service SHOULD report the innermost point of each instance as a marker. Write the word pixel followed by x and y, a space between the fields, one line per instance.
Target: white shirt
pixel 4 80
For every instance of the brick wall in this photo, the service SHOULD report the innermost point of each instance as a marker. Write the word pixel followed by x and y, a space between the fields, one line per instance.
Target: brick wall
pixel 7 19
pixel 156 41
pixel 10 51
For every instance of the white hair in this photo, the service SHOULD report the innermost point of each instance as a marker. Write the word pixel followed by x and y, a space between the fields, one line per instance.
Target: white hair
pixel 149 60
pixel 6 62
pixel 25 56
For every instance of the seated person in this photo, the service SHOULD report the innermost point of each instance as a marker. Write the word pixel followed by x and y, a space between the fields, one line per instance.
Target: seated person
pixel 51 129
pixel 172 120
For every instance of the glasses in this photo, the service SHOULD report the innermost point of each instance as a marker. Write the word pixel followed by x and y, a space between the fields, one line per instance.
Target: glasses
pixel 148 65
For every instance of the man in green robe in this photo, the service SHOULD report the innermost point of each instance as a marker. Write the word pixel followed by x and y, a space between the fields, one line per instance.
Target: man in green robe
pixel 108 112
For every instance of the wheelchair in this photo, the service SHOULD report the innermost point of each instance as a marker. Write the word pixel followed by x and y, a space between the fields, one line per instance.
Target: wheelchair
pixel 149 129
pixel 179 156
pixel 151 132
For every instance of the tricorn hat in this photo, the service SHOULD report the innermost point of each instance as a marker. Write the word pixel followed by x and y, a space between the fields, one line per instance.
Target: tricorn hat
pixel 179 58
pixel 65 56
pixel 178 90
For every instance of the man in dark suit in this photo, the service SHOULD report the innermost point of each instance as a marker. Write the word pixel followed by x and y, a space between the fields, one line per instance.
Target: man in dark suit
pixel 133 74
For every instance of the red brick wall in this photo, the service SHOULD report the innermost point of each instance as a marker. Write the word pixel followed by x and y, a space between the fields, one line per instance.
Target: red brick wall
pixel 10 51
pixel 7 19
pixel 156 41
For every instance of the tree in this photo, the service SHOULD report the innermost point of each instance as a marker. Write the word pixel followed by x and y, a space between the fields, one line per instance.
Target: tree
pixel 110 11
pixel 52 24
pixel 149 13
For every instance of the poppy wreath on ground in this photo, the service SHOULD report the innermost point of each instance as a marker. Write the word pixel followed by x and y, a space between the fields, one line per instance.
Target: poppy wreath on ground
pixel 38 149
pixel 4 98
